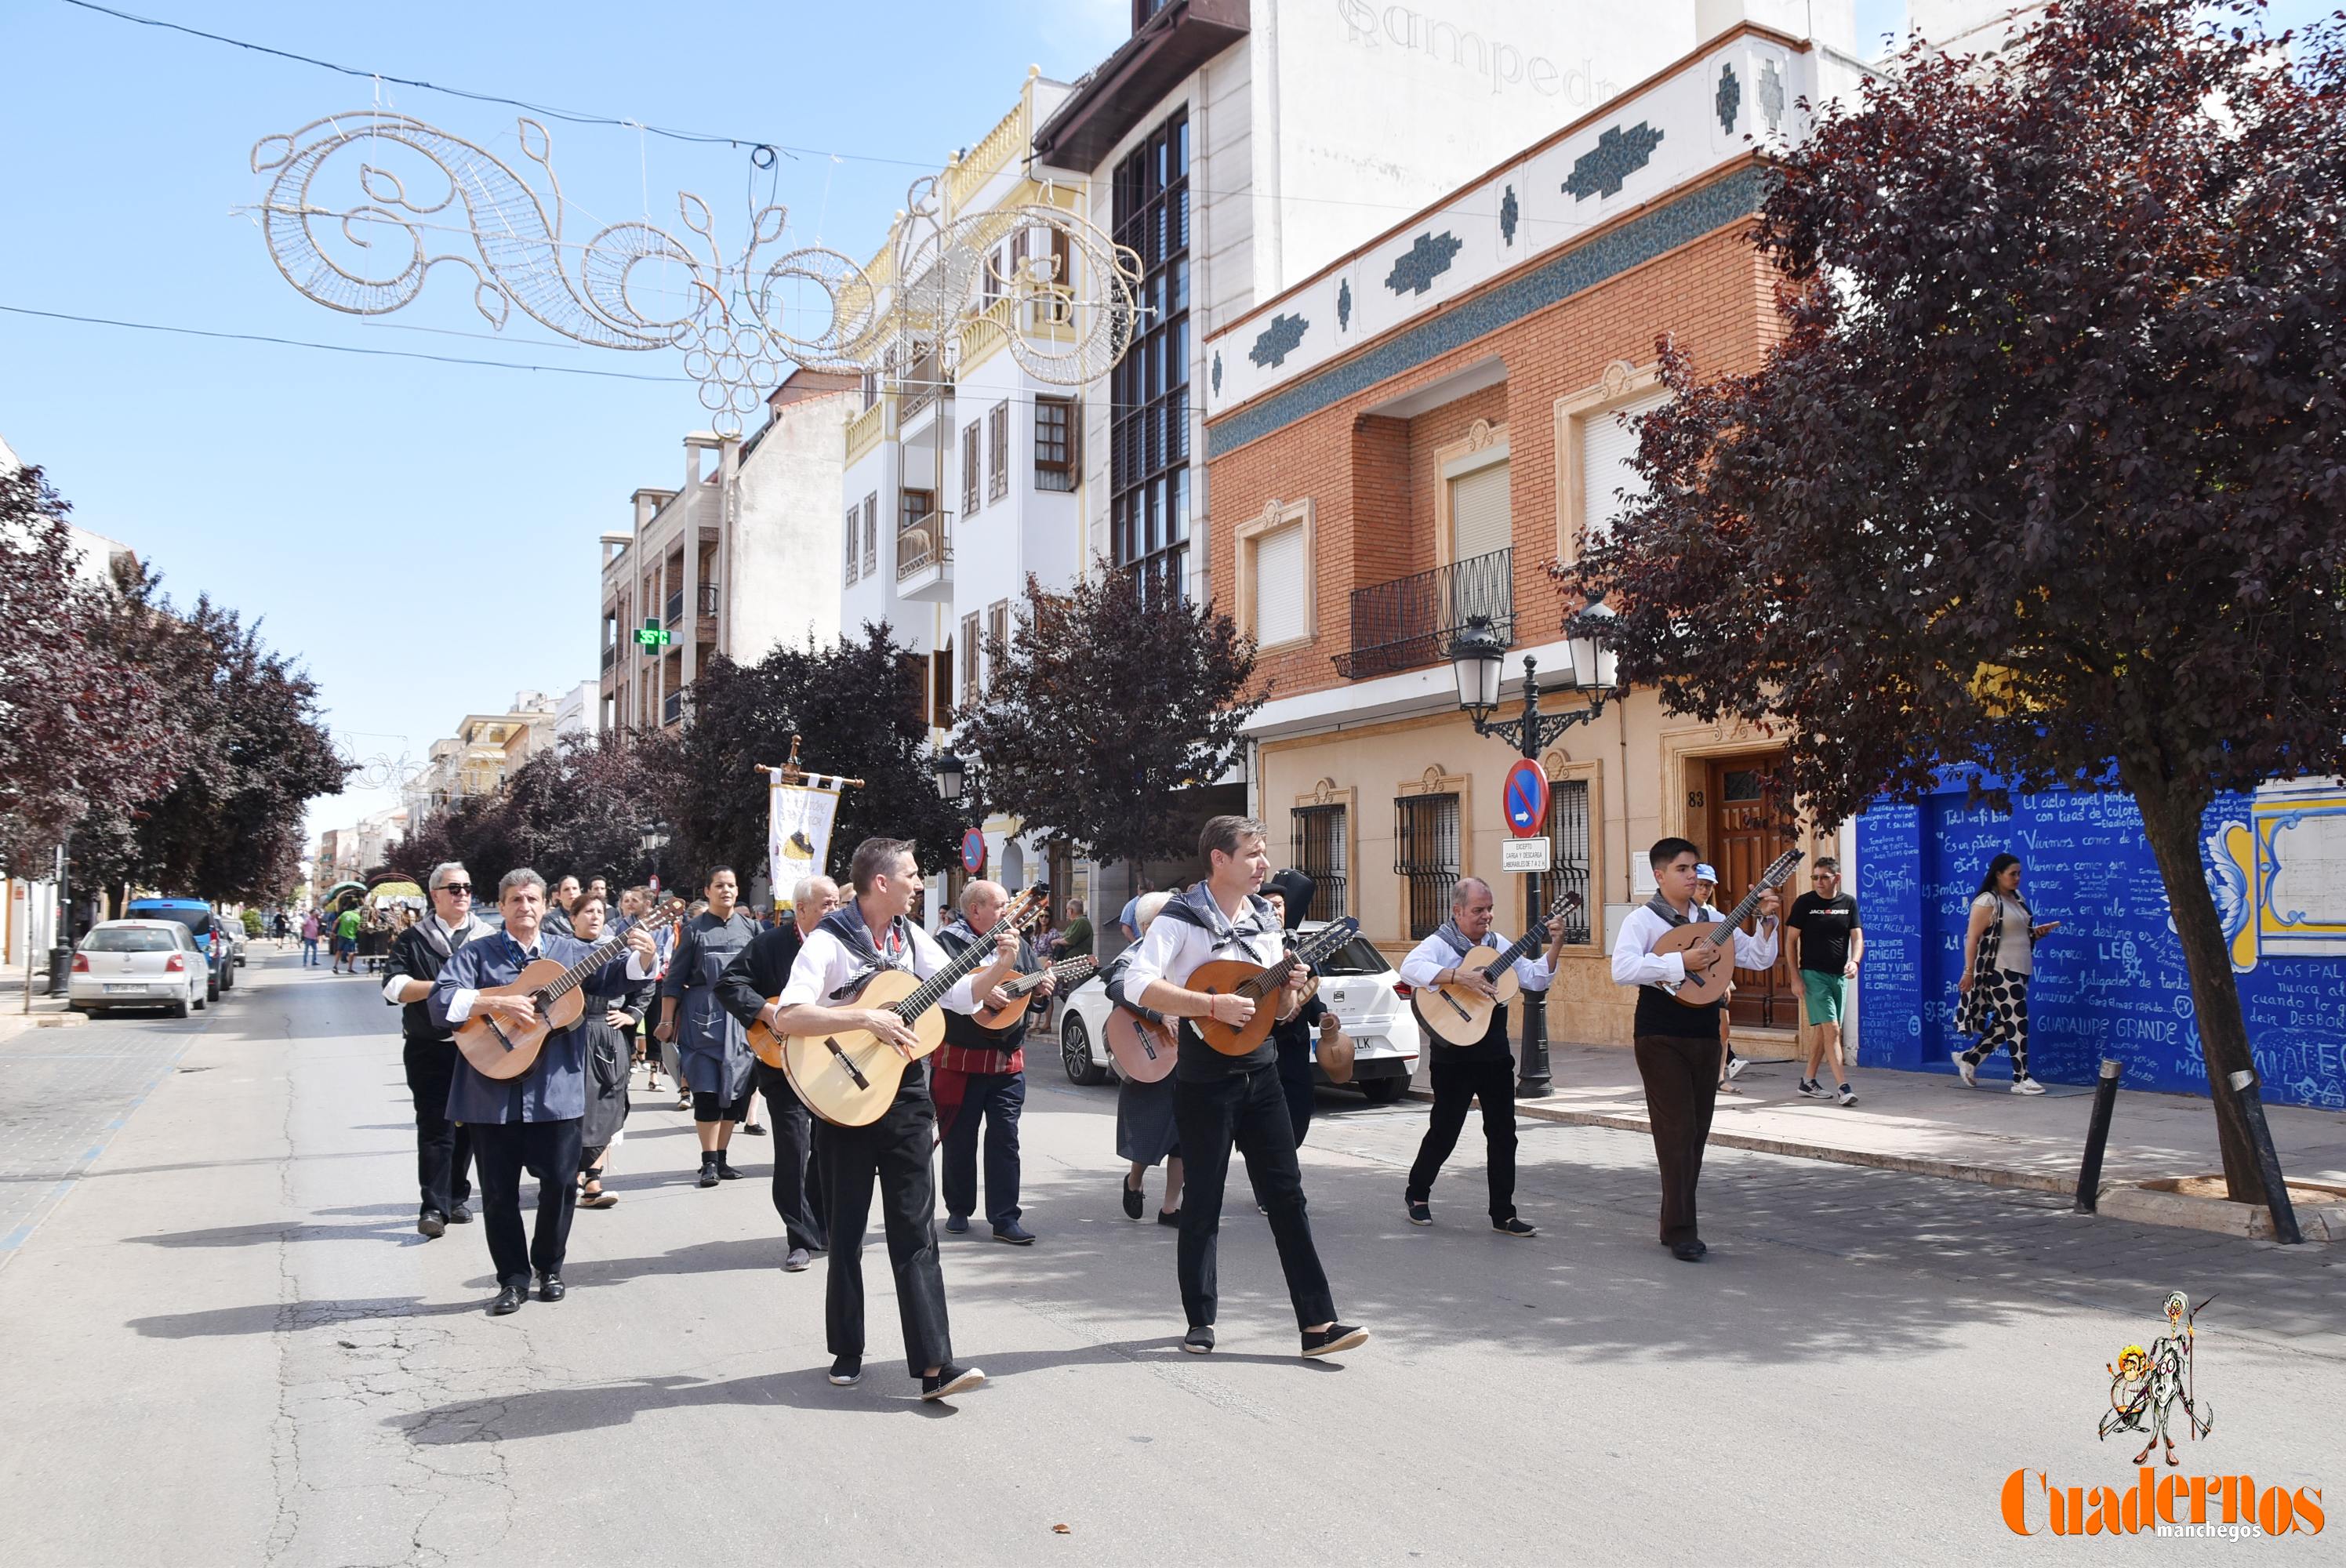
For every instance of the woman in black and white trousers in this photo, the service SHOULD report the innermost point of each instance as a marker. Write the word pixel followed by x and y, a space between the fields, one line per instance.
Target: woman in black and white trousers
pixel 1999 961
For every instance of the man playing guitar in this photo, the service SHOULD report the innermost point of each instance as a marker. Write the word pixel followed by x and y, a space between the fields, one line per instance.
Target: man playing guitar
pixel 851 945
pixel 1222 1100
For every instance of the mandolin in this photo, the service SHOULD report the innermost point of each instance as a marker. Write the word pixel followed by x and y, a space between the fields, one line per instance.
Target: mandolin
pixel 1709 987
pixel 1144 1050
pixel 1021 991
pixel 1257 982
pixel 504 1048
pixel 848 1078
pixel 1459 1015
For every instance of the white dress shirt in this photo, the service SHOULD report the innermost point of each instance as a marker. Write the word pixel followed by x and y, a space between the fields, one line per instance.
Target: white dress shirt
pixel 1172 950
pixel 825 964
pixel 1635 961
pixel 1432 956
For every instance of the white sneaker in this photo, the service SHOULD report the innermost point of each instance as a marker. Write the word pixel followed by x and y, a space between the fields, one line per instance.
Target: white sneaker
pixel 1968 1071
pixel 1845 1095
pixel 1735 1065
pixel 2027 1086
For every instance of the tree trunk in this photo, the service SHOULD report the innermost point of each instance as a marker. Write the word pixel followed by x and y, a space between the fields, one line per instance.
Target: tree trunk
pixel 2170 821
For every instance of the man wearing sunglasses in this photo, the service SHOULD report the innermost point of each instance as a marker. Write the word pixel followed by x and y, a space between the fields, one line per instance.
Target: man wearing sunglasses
pixel 444 1149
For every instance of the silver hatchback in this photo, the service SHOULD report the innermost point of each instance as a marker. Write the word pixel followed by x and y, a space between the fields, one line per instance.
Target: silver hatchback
pixel 137 964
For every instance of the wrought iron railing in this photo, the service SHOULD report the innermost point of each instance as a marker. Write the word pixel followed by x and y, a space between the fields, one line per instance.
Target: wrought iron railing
pixel 676 607
pixel 923 545
pixel 708 598
pixel 611 655
pixel 1411 620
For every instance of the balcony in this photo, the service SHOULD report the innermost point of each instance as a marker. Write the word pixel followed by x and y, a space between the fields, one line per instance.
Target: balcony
pixel 708 598
pixel 611 655
pixel 864 431
pixel 675 606
pixel 924 560
pixel 1411 620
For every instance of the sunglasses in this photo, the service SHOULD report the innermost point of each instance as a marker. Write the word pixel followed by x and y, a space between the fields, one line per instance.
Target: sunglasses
pixel 463 888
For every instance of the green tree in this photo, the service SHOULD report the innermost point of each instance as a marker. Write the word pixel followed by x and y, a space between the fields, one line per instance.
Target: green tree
pixel 2045 475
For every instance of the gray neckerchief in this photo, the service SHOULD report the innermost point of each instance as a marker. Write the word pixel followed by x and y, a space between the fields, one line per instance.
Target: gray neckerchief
pixel 1453 938
pixel 440 943
pixel 1661 906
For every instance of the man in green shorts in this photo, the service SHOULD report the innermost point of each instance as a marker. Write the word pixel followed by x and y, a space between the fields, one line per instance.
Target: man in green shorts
pixel 1827 944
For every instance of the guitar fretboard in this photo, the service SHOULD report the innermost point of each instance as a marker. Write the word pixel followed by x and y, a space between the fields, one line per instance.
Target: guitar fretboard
pixel 1524 943
pixel 1774 877
pixel 931 991
pixel 1318 946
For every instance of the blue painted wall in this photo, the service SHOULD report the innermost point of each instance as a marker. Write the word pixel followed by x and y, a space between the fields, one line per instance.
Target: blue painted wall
pixel 2111 981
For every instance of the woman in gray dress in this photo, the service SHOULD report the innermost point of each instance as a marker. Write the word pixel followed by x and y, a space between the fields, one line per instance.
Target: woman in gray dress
pixel 712 1048
pixel 1144 1112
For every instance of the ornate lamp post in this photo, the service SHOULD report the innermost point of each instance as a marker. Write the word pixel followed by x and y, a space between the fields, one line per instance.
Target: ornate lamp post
pixel 952 775
pixel 1478 659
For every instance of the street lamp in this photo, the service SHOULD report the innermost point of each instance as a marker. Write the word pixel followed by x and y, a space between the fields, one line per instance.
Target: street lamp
pixel 1477 659
pixel 952 775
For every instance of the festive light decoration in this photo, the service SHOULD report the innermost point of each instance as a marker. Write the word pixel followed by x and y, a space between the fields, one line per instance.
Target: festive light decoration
pixel 1058 289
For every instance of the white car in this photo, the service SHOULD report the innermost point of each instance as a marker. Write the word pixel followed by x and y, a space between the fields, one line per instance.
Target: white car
pixel 137 964
pixel 1356 983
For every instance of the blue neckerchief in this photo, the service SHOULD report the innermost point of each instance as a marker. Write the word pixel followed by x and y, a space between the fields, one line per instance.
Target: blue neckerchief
pixel 847 924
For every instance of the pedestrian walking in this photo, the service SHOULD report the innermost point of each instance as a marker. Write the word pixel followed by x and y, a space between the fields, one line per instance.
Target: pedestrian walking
pixel 1999 964
pixel 309 938
pixel 346 938
pixel 1145 1132
pixel 607 1025
pixel 1706 907
pixel 1828 943
pixel 748 989
pixel 712 1047
pixel 444 1149
pixel 980 1077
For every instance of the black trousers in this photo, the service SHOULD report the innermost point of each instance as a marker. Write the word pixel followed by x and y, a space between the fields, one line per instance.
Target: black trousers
pixel 998 1097
pixel 548 1151
pixel 444 1149
pixel 1246 1110
pixel 1456 1085
pixel 894 1151
pixel 1299 1095
pixel 797 1174
pixel 1681 1090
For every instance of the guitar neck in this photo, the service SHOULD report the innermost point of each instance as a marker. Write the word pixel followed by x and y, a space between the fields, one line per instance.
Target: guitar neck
pixel 1735 917
pixel 601 953
pixel 932 990
pixel 1320 945
pixel 1523 945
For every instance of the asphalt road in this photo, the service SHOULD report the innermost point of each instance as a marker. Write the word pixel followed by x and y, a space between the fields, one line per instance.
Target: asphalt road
pixel 226 1344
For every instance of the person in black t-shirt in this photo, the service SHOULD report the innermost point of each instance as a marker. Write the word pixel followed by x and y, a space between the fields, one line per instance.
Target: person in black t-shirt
pixel 1827 945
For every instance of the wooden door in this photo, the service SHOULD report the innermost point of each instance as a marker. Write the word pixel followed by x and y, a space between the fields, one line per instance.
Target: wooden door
pixel 1743 836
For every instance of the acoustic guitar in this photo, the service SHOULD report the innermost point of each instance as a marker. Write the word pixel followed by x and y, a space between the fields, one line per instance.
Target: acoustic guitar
pixel 1461 1015
pixel 1257 983
pixel 1021 991
pixel 505 1048
pixel 1710 986
pixel 1144 1051
pixel 850 1077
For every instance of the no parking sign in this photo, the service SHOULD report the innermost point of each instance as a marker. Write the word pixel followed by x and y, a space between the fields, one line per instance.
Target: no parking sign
pixel 973 851
pixel 1525 800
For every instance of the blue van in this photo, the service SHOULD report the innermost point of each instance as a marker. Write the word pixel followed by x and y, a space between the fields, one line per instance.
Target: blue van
pixel 197 916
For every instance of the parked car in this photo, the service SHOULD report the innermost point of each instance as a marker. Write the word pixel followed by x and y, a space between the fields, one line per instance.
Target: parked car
pixel 196 915
pixel 137 964
pixel 1356 981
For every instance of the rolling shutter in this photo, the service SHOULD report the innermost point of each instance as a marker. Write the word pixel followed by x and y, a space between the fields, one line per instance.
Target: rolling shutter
pixel 1279 567
pixel 1606 448
pixel 1479 520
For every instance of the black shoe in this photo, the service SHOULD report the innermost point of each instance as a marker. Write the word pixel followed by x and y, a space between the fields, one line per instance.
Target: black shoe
pixel 1169 1216
pixel 957 1223
pixel 1133 1199
pixel 725 1171
pixel 1688 1251
pixel 1016 1234
pixel 1512 1226
pixel 509 1300
pixel 1418 1213
pixel 1199 1341
pixel 846 1370
pixel 551 1288
pixel 432 1222
pixel 950 1379
pixel 460 1215
pixel 708 1176
pixel 1334 1338
pixel 750 1130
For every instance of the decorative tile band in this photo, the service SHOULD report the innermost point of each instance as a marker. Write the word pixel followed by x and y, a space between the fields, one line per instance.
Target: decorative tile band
pixel 1577 270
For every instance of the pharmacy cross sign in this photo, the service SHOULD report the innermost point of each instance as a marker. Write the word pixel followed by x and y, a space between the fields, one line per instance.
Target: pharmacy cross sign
pixel 652 635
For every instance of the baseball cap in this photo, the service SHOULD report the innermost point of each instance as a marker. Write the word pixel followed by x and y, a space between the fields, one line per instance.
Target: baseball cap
pixel 1704 874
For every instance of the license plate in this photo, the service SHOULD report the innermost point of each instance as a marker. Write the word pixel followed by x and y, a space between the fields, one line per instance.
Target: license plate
pixel 125 990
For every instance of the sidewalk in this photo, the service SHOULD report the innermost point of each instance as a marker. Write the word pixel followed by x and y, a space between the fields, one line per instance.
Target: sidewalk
pixel 1928 1124
pixel 48 1011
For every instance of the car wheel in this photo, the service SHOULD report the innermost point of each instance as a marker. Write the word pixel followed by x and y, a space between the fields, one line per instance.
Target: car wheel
pixel 1383 1091
pixel 179 1009
pixel 1076 1052
pixel 212 988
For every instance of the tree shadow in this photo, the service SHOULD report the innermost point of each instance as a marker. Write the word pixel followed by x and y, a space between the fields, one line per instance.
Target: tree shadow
pixel 273 1317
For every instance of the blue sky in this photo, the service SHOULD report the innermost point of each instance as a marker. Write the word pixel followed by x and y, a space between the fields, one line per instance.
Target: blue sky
pixel 423 535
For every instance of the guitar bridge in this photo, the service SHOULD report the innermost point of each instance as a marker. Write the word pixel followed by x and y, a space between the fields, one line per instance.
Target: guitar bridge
pixel 852 1069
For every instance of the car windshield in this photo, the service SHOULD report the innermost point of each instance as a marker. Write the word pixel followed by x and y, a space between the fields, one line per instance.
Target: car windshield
pixel 1358 956
pixel 199 920
pixel 128 939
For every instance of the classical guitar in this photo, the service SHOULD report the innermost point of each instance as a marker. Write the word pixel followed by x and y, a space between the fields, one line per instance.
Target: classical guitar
pixel 1711 986
pixel 1144 1050
pixel 1021 991
pixel 850 1077
pixel 502 1048
pixel 1258 983
pixel 1461 1015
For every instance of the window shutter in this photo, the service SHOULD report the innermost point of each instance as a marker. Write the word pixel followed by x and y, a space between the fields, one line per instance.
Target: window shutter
pixel 969 468
pixel 1279 567
pixel 1479 519
pixel 1607 447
